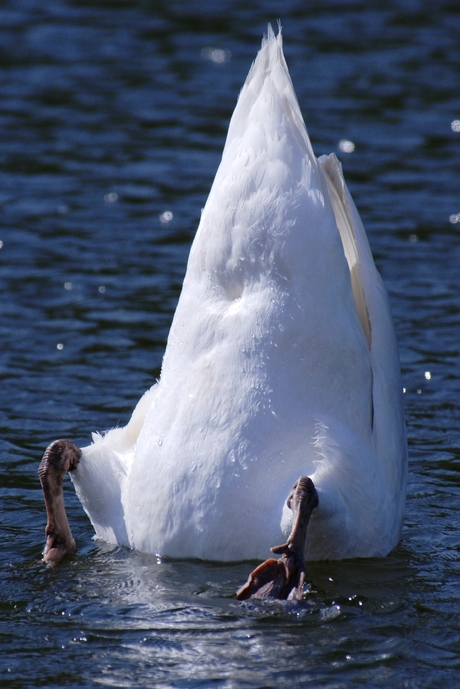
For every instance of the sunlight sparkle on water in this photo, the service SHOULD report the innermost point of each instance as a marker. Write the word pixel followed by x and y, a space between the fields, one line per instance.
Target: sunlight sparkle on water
pixel 111 197
pixel 216 55
pixel 346 146
pixel 166 217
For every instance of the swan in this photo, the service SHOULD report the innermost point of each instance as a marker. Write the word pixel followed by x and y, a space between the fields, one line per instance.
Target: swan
pixel 281 363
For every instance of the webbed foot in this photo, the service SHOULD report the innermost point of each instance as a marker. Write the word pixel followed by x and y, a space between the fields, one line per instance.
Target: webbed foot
pixel 59 458
pixel 284 578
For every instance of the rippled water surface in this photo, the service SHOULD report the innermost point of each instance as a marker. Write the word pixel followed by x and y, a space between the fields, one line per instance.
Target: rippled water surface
pixel 113 116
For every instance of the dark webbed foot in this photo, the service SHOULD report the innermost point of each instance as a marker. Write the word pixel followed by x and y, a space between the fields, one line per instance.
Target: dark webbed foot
pixel 59 458
pixel 284 578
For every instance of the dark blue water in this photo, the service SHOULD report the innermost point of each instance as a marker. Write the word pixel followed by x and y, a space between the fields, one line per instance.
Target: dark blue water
pixel 113 115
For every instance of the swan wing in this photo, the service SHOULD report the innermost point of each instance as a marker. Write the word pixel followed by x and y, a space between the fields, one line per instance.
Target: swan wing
pixel 101 479
pixel 372 304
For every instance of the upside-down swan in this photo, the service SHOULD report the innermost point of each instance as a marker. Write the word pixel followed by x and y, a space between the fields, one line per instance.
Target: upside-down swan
pixel 281 362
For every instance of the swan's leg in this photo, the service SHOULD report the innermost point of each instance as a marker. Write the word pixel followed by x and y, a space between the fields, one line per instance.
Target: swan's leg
pixel 284 578
pixel 59 458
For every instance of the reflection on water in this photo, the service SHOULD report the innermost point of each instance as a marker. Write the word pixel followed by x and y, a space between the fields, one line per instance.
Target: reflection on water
pixel 113 116
pixel 134 618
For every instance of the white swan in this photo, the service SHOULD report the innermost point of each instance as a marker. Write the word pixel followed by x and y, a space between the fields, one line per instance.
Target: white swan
pixel 281 361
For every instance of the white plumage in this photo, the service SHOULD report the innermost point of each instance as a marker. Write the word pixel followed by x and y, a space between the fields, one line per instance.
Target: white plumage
pixel 281 361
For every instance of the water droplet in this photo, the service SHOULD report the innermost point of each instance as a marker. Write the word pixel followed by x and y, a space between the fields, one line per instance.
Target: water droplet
pixel 428 375
pixel 454 218
pixel 68 285
pixel 455 125
pixel 60 346
pixel 111 197
pixel 101 289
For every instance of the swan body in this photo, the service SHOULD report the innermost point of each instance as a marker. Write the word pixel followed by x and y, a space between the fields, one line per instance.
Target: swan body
pixel 281 361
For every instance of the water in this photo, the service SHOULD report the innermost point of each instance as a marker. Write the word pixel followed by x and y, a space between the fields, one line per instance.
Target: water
pixel 112 119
